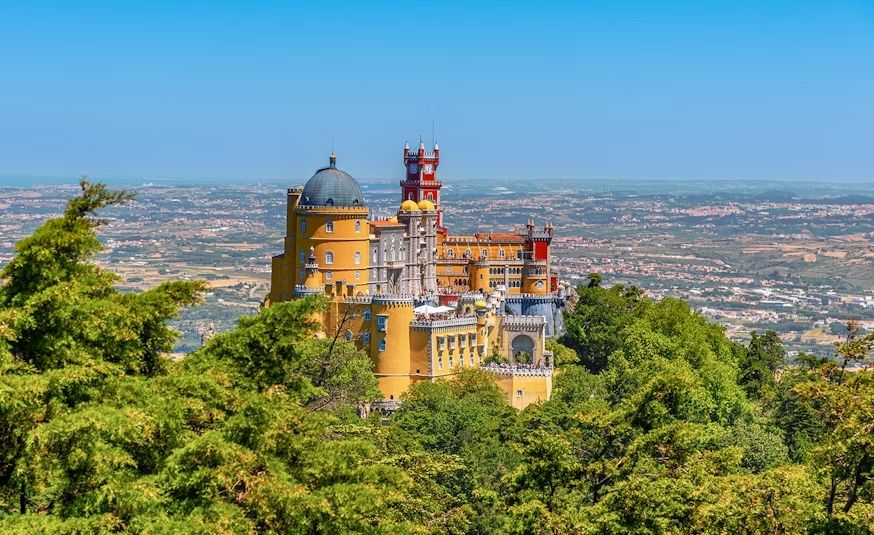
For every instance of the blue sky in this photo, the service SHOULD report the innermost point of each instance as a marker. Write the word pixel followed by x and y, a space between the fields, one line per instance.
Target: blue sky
pixel 613 90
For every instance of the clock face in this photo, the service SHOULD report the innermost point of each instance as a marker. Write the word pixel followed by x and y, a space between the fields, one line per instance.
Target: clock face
pixel 414 168
pixel 428 169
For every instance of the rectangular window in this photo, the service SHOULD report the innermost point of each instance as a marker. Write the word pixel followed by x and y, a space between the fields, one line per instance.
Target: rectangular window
pixel 303 225
pixel 518 393
pixel 471 359
pixel 451 342
pixel 329 257
pixel 365 338
pixel 381 323
pixel 303 257
pixel 329 275
pixel 357 275
pixel 382 345
pixel 463 341
pixel 366 314
pixel 303 274
pixel 441 343
pixel 329 226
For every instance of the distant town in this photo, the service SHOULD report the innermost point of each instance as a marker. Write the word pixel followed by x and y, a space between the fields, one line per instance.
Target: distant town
pixel 798 259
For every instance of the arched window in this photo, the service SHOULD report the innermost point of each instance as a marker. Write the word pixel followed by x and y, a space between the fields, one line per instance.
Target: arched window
pixel 484 253
pixel 357 226
pixel 382 345
pixel 373 257
pixel 501 253
pixel 329 226
pixel 357 257
pixel 366 314
pixel 329 257
pixel 348 336
pixel 365 338
pixel 430 195
pixel 357 274
pixel 329 275
pixel 467 253
pixel 303 225
pixel 450 253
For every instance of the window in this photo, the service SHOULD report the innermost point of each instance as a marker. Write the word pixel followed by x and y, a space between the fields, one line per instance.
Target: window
pixel 439 363
pixel 329 275
pixel 381 323
pixel 471 359
pixel 329 226
pixel 365 338
pixel 518 393
pixel 501 253
pixel 430 196
pixel 329 257
pixel 348 336
pixel 357 274
pixel 539 285
pixel 366 314
pixel 467 253
pixel 357 257
pixel 463 341
pixel 373 257
pixel 303 225
pixel 441 343
pixel 409 195
pixel 451 363
pixel 452 342
pixel 357 226
pixel 303 257
pixel 382 345
pixel 303 273
pixel 450 253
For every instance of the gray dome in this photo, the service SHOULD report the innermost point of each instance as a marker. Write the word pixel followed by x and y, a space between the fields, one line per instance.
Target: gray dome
pixel 332 187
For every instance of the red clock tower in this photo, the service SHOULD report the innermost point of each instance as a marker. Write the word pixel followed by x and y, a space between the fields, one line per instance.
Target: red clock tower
pixel 421 180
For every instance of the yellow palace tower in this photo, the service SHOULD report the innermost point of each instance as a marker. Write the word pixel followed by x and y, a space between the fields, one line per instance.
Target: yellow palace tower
pixel 422 302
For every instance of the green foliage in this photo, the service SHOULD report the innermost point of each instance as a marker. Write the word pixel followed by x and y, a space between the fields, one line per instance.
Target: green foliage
pixel 657 424
pixel 759 361
pixel 594 325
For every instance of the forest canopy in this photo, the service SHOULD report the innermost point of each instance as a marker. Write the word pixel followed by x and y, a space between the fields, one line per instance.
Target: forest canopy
pixel 658 422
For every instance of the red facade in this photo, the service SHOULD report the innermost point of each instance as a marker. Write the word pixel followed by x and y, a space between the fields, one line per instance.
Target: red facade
pixel 421 180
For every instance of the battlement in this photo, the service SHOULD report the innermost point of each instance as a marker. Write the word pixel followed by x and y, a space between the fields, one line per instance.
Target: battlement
pixel 524 321
pixel 435 323
pixel 517 370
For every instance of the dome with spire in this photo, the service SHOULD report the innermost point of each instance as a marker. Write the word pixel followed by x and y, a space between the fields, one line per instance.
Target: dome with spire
pixel 332 187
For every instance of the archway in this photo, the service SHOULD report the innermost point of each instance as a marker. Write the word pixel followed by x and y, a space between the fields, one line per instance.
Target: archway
pixel 522 349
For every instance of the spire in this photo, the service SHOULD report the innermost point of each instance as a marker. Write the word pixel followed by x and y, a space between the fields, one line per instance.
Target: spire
pixel 406 146
pixel 436 146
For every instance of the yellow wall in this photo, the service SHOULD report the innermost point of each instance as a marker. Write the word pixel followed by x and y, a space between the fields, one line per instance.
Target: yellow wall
pixel 343 242
pixel 534 389
pixel 392 366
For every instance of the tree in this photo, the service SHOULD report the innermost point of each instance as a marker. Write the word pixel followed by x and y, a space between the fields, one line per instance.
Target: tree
pixel 594 325
pixel 759 361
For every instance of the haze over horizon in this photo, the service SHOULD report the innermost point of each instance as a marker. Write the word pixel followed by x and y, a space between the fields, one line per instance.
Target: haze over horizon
pixel 614 90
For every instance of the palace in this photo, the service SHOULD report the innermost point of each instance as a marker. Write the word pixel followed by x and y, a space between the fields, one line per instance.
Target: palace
pixel 424 303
